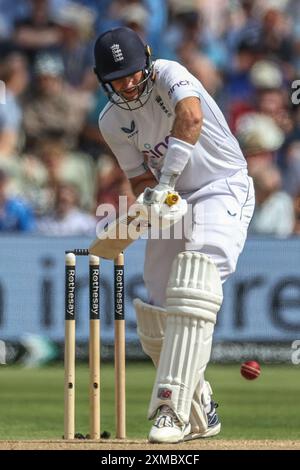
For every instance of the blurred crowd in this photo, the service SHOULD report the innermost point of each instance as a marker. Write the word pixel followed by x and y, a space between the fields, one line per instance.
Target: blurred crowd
pixel 54 167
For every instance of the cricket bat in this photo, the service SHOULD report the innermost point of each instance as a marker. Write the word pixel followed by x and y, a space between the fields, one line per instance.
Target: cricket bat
pixel 120 233
pixel 117 236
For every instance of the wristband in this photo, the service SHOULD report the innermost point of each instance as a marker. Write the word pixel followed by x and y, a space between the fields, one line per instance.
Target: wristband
pixel 177 156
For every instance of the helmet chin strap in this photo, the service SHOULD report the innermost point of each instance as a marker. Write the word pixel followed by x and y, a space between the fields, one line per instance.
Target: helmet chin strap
pixel 132 104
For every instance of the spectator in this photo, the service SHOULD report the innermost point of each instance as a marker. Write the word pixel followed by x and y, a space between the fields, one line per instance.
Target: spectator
pixel 189 26
pixel 13 72
pixel 91 140
pixel 10 12
pixel 266 75
pixel 37 33
pixel 271 96
pixel 112 183
pixel 260 138
pixel 245 24
pixel 76 26
pixel 136 17
pixel 74 168
pixel 238 88
pixel 200 66
pixel 297 214
pixel 107 15
pixel 157 23
pixel 15 214
pixel 274 211
pixel 276 39
pixel 53 107
pixel 67 219
pixel 291 171
pixel 156 11
pixel 32 182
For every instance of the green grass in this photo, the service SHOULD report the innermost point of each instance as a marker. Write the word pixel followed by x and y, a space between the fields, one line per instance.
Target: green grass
pixel 31 401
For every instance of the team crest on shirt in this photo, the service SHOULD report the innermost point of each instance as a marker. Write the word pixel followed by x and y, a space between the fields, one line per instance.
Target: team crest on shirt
pixel 131 131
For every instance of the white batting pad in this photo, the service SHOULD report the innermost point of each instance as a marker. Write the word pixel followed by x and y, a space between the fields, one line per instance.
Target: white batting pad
pixel 200 405
pixel 194 296
pixel 151 322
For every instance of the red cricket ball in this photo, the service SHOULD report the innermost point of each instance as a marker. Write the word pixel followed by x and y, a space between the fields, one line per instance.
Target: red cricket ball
pixel 250 370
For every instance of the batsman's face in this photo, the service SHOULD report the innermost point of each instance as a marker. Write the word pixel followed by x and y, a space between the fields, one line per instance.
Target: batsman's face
pixel 129 87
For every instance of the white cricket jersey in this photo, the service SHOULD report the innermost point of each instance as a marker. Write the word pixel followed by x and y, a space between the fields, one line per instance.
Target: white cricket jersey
pixel 141 136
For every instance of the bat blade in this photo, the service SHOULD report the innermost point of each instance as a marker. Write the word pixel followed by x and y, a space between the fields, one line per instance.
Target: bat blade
pixel 118 236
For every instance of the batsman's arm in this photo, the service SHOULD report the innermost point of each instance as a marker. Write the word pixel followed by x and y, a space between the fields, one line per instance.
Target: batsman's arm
pixel 139 183
pixel 188 120
pixel 186 127
pixel 184 136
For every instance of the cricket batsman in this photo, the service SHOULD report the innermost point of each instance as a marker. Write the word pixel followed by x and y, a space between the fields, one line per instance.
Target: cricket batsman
pixel 170 137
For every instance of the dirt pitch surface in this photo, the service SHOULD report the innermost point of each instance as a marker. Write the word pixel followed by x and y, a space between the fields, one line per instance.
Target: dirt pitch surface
pixel 108 445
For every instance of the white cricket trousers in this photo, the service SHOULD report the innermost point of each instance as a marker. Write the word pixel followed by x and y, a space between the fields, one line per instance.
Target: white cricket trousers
pixel 220 214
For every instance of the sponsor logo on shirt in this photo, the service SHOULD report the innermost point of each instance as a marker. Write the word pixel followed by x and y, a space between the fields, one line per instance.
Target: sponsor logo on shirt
pixel 177 85
pixel 162 105
pixel 233 214
pixel 131 131
pixel 155 155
